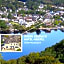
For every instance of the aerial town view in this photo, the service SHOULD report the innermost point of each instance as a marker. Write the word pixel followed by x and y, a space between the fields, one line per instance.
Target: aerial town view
pixel 10 43
pixel 18 16
pixel 41 24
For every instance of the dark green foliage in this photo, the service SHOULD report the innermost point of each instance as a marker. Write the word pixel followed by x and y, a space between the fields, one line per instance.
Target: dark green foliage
pixel 62 23
pixel 12 4
pixel 10 16
pixel 57 51
pixel 3 16
pixel 0 2
pixel 19 49
pixel 34 3
pixel 58 2
pixel 3 24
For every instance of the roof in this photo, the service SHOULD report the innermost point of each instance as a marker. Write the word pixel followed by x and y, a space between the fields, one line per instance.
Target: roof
pixel 13 39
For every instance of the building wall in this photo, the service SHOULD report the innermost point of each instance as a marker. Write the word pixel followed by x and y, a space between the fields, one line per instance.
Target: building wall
pixel 11 45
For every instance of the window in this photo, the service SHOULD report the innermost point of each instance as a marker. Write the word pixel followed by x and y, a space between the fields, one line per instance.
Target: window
pixel 16 47
pixel 12 47
pixel 16 44
pixel 6 46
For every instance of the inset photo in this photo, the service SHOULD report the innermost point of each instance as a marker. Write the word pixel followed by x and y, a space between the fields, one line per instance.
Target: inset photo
pixel 11 43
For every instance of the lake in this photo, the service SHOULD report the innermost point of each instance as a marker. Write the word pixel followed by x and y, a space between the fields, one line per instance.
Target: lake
pixel 50 39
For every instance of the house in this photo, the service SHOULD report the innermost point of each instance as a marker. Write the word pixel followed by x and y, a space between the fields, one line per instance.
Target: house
pixel 28 18
pixel 16 20
pixel 48 24
pixel 51 12
pixel 62 18
pixel 24 3
pixel 41 19
pixel 5 19
pixel 61 12
pixel 19 9
pixel 11 43
pixel 11 46
pixel 1 13
pixel 56 13
pixel 34 19
pixel 28 24
pixel 8 24
pixel 15 15
pixel 48 16
pixel 36 16
pixel 10 10
pixel 41 6
pixel 47 21
pixel 26 9
pixel 22 21
pixel 62 8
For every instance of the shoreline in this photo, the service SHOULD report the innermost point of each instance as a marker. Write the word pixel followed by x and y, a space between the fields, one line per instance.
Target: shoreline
pixel 25 32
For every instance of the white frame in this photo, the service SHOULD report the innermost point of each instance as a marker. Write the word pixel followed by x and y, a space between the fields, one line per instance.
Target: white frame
pixel 11 34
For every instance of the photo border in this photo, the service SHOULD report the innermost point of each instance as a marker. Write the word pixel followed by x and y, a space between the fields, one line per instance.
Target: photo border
pixel 11 51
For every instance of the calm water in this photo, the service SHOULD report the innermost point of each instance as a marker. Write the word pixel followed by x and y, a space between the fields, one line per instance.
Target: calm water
pixel 52 38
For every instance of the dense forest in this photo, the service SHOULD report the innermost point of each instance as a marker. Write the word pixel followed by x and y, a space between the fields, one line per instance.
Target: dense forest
pixel 51 55
pixel 10 4
pixel 30 3
pixel 56 2
pixel 33 4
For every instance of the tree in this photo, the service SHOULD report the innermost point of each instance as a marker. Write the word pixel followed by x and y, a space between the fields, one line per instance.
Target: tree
pixel 9 16
pixel 56 22
pixel 47 60
pixel 32 4
pixel 0 2
pixel 3 25
pixel 32 57
pixel 3 16
pixel 11 62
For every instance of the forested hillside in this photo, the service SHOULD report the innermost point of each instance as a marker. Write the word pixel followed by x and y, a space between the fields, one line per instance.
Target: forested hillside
pixel 10 4
pixel 51 55
pixel 32 4
pixel 56 2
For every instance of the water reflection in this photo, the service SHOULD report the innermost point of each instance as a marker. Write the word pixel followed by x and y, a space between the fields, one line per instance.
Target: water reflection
pixel 38 32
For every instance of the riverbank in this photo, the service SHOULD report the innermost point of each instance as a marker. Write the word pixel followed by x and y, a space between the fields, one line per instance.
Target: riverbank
pixel 32 30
